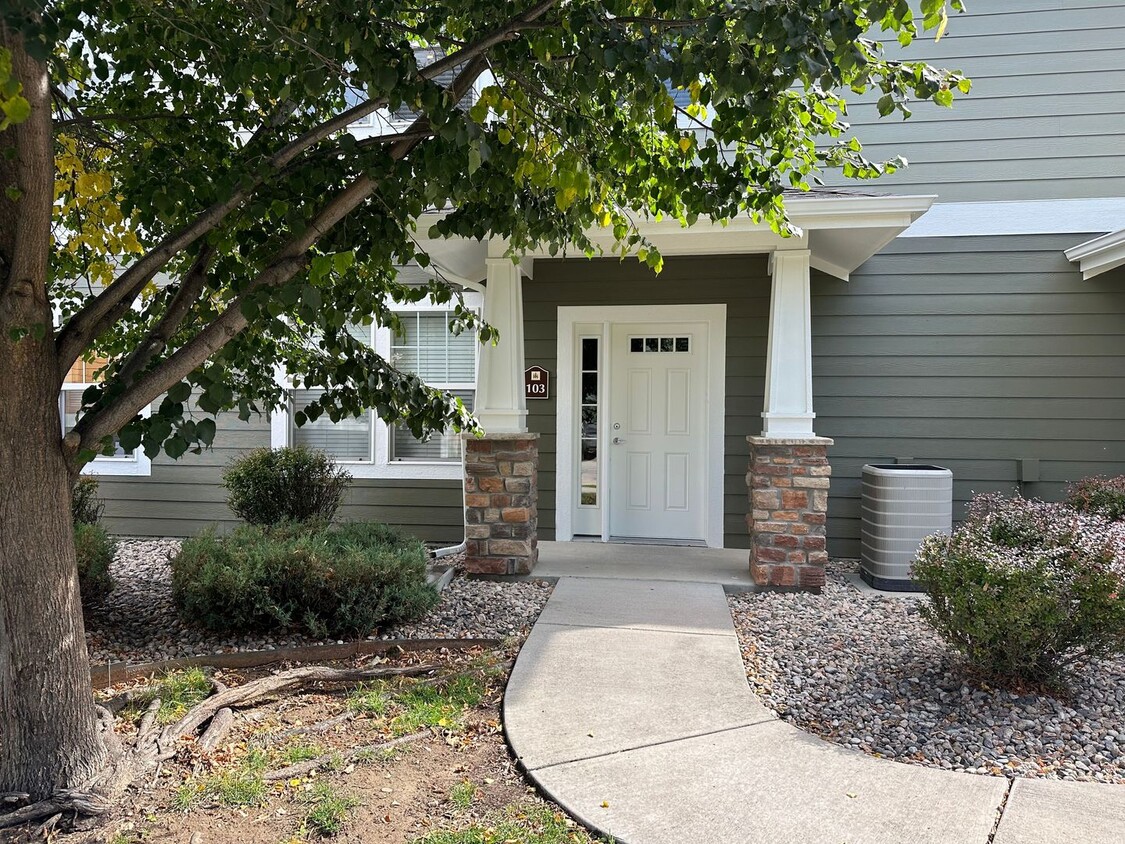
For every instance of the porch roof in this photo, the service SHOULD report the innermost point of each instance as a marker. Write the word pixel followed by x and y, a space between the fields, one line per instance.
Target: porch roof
pixel 1099 255
pixel 840 228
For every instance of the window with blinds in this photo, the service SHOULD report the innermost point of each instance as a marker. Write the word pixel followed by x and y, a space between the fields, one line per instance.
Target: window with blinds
pixel 350 440
pixel 425 347
pixel 443 360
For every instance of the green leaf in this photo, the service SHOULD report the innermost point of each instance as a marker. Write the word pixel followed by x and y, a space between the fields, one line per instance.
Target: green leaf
pixel 180 392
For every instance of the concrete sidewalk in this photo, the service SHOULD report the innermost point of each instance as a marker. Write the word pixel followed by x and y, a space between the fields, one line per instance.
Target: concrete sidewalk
pixel 629 706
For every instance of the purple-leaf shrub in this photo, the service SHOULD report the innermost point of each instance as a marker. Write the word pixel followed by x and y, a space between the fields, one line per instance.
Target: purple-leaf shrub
pixel 1026 590
pixel 1103 496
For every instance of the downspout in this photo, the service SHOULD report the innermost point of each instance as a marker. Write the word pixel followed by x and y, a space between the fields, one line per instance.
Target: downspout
pixel 438 553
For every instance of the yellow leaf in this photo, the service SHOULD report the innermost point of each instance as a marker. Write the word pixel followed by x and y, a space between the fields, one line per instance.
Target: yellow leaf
pixel 685 143
pixel 605 804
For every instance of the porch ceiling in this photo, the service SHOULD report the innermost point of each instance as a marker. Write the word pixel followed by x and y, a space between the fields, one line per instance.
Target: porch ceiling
pixel 840 230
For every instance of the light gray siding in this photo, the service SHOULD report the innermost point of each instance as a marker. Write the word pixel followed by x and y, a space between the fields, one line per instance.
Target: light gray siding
pixel 739 281
pixel 183 497
pixel 1044 117
pixel 974 353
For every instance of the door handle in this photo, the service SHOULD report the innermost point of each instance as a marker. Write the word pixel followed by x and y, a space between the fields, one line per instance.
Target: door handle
pixel 618 440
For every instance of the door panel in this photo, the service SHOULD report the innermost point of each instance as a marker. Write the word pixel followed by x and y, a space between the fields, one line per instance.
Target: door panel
pixel 657 416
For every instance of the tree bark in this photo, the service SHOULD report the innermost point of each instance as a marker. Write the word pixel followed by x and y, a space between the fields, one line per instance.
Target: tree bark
pixel 48 731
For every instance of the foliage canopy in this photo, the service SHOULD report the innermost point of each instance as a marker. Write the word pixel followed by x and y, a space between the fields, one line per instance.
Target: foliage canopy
pixel 209 192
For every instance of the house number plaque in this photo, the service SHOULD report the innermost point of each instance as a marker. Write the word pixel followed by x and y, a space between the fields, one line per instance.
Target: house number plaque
pixel 536 383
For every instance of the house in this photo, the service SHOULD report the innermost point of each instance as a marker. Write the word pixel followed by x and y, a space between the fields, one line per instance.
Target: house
pixel 967 311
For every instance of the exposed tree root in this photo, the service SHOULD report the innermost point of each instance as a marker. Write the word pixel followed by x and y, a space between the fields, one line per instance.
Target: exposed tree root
pixel 154 745
pixel 319 727
pixel 301 768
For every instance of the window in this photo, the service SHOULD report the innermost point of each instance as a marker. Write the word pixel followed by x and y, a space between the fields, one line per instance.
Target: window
pixel 426 347
pixel 121 462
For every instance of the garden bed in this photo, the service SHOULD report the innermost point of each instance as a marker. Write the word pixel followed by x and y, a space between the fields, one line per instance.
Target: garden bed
pixel 138 621
pixel 866 671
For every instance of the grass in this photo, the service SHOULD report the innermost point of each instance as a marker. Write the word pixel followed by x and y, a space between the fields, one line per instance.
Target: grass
pixel 330 810
pixel 442 706
pixel 241 785
pixel 462 794
pixel 515 825
pixel 178 691
pixel 301 752
pixel 369 699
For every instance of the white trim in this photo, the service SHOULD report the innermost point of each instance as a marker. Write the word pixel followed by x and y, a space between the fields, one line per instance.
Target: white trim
pixel 842 232
pixel 1099 255
pixel 568 318
pixel 1033 216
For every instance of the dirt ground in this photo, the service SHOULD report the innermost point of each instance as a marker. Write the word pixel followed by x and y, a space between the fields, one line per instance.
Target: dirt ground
pixel 457 775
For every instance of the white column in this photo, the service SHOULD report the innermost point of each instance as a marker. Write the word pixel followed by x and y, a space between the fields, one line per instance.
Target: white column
pixel 788 409
pixel 500 406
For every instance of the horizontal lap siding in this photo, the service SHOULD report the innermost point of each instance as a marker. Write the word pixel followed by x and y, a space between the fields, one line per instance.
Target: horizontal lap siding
pixel 973 353
pixel 740 282
pixel 1043 119
pixel 183 497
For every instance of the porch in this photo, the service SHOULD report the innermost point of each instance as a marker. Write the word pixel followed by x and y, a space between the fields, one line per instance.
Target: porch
pixel 660 447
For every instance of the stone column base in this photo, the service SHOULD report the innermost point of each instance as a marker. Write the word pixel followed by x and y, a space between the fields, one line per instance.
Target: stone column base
pixel 501 503
pixel 788 482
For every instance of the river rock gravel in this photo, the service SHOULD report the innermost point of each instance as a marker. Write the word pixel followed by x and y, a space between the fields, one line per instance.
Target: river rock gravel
pixel 139 623
pixel 865 671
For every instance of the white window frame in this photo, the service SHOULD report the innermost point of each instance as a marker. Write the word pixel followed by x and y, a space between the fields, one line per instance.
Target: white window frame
pixel 383 465
pixel 139 465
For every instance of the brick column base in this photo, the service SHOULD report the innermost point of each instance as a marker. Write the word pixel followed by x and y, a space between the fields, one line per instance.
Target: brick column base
pixel 501 503
pixel 788 482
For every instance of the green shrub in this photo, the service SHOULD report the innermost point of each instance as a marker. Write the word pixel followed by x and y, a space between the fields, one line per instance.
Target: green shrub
pixel 1102 496
pixel 1027 590
pixel 339 580
pixel 85 505
pixel 94 550
pixel 270 486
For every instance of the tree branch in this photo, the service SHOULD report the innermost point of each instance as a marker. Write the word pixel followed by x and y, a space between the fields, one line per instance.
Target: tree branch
pixel 156 341
pixel 113 302
pixel 104 422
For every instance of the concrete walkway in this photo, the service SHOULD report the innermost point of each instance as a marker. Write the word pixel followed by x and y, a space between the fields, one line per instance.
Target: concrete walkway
pixel 629 706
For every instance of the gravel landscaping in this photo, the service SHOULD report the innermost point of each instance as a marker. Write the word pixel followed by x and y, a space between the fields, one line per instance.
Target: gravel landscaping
pixel 866 671
pixel 139 623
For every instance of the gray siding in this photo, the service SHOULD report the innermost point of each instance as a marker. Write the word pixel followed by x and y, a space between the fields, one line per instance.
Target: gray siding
pixel 739 281
pixel 1044 117
pixel 183 497
pixel 973 353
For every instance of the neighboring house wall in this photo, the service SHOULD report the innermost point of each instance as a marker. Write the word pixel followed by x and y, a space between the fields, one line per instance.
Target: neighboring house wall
pixel 739 281
pixel 973 353
pixel 1043 120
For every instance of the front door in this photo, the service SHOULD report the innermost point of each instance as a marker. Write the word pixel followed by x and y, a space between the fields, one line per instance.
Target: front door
pixel 657 430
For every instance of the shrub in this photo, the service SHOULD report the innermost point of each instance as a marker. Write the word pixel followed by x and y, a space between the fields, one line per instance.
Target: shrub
pixel 1101 496
pixel 94 550
pixel 1026 590
pixel 269 486
pixel 85 505
pixel 339 580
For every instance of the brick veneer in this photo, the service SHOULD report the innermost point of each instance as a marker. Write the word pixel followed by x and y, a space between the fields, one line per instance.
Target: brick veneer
pixel 788 482
pixel 501 503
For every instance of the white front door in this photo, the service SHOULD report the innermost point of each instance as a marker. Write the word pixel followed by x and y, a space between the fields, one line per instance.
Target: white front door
pixel 657 437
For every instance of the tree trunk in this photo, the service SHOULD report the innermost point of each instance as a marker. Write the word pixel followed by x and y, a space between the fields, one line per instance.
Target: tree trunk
pixel 48 731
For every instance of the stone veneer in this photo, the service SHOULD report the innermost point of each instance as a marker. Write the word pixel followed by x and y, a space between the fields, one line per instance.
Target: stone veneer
pixel 788 482
pixel 501 503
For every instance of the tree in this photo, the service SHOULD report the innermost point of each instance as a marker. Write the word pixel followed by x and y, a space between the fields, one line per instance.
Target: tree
pixel 213 219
